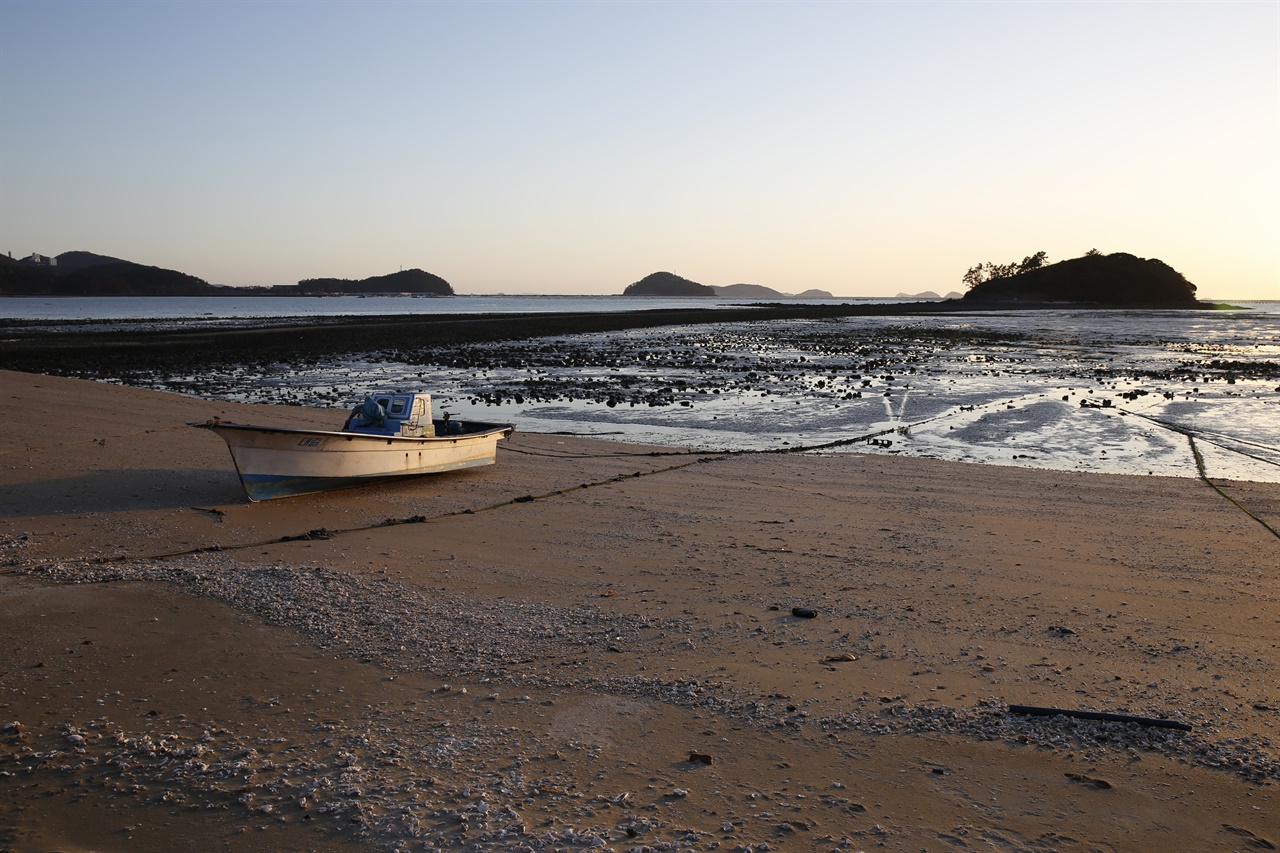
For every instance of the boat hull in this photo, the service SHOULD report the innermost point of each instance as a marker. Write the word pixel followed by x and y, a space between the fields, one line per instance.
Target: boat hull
pixel 277 462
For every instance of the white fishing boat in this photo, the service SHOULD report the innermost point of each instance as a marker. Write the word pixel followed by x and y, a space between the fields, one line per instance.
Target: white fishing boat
pixel 390 436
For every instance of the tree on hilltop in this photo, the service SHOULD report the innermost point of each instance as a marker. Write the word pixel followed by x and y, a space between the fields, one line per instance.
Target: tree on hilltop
pixel 976 275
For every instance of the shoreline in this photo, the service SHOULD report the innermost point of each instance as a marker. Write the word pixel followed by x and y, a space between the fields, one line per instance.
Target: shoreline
pixel 26 342
pixel 612 613
pixel 1111 392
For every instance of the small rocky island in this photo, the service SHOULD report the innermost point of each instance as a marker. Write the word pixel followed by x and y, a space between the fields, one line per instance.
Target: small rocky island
pixel 667 284
pixel 1119 280
pixel 670 284
pixel 929 294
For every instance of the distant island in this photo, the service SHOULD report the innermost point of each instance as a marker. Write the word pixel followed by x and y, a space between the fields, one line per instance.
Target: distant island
pixel 1117 279
pixel 670 284
pixel 667 284
pixel 405 281
pixel 89 274
pixel 929 294
pixel 1114 280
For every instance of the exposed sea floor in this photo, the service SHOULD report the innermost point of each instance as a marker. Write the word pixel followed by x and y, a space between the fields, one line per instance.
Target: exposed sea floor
pixel 1128 392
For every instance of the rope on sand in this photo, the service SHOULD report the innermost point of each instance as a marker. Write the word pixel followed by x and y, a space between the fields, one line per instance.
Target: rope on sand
pixel 1205 436
pixel 1195 451
pixel 800 448
pixel 652 454
pixel 712 456
pixel 701 457
pixel 325 533
pixel 1200 469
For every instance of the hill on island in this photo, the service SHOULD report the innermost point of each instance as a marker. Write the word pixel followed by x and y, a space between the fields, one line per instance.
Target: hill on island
pixel 667 284
pixel 1116 279
pixel 405 281
pixel 747 291
pixel 929 294
pixel 69 262
pixel 670 284
pixel 759 291
pixel 130 279
pixel 88 274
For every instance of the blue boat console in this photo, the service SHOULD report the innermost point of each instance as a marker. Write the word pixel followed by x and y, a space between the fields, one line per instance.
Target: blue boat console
pixel 392 413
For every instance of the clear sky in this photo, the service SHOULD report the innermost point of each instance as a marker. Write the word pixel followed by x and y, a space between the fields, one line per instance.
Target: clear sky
pixel 575 147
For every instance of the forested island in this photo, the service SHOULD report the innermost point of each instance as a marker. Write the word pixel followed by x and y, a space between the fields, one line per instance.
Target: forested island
pixel 89 274
pixel 1114 280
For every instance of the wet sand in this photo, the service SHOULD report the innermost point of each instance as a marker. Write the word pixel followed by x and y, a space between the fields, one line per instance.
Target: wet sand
pixel 593 645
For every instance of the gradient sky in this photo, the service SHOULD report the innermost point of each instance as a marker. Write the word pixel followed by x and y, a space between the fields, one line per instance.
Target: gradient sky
pixel 574 147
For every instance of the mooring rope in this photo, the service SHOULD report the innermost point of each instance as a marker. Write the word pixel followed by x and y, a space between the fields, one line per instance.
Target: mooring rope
pixel 800 448
pixel 701 457
pixel 1195 451
pixel 1201 471
pixel 326 533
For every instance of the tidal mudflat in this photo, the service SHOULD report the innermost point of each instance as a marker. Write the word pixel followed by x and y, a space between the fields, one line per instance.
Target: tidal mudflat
pixel 1133 392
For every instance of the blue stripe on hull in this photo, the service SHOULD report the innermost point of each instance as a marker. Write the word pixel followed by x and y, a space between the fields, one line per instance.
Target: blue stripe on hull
pixel 266 487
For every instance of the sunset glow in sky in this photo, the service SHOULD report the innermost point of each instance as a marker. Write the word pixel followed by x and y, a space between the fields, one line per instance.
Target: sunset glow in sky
pixel 574 147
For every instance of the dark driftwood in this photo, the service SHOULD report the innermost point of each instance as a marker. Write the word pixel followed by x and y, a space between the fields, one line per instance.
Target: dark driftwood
pixel 1032 710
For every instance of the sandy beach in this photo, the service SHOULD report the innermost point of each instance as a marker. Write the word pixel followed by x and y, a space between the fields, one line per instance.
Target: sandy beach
pixel 593 645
